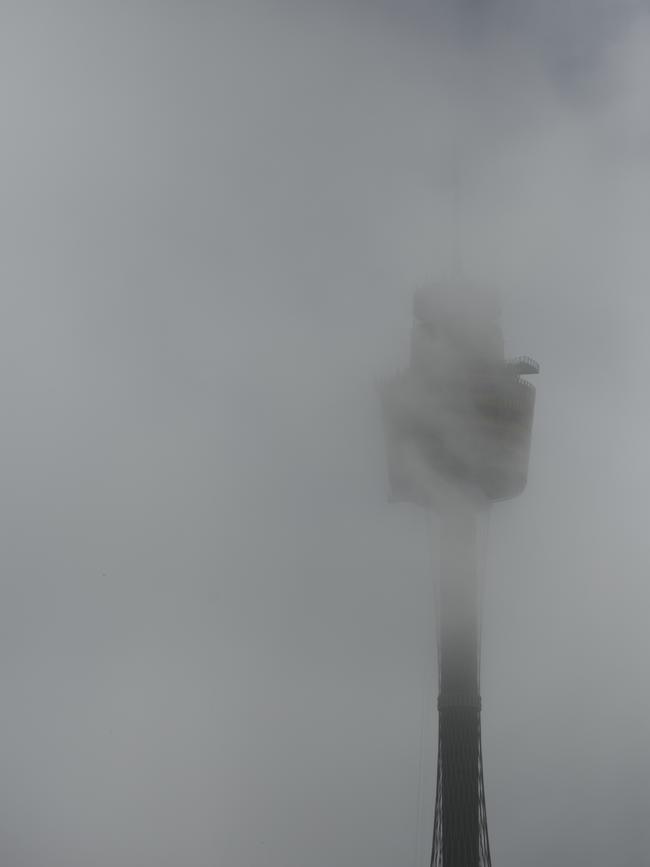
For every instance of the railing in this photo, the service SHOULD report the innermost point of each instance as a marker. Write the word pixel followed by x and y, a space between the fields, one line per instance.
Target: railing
pixel 526 384
pixel 524 361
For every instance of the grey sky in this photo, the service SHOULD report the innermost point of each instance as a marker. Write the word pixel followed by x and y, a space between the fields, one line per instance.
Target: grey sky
pixel 216 641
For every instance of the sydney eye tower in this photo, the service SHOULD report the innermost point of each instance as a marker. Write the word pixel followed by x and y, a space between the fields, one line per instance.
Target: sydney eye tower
pixel 458 427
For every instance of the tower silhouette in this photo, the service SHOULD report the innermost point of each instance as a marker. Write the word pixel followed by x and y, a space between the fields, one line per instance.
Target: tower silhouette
pixel 458 425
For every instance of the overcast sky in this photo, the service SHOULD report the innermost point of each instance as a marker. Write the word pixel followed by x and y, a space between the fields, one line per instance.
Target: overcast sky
pixel 216 635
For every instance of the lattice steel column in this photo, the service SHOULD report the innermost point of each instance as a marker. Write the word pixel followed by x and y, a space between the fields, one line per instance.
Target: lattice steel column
pixel 460 829
pixel 460 833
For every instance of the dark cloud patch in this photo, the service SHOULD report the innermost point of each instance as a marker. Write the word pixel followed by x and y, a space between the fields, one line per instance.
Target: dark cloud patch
pixel 571 39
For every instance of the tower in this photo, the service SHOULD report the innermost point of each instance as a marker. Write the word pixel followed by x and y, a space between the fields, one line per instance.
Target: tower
pixel 458 425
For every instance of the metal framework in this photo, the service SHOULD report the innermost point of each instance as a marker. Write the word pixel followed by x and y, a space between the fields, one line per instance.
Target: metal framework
pixel 466 843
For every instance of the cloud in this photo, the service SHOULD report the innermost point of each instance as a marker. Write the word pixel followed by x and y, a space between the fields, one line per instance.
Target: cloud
pixel 216 634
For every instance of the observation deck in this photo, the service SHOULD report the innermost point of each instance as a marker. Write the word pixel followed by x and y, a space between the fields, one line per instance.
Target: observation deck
pixel 460 412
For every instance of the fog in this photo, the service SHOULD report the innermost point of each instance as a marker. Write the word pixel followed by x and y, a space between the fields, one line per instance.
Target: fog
pixel 216 634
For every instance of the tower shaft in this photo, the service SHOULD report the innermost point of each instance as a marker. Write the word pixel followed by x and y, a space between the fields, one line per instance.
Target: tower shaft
pixel 460 829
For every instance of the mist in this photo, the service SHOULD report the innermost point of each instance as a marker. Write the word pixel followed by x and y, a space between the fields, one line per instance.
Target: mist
pixel 216 634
